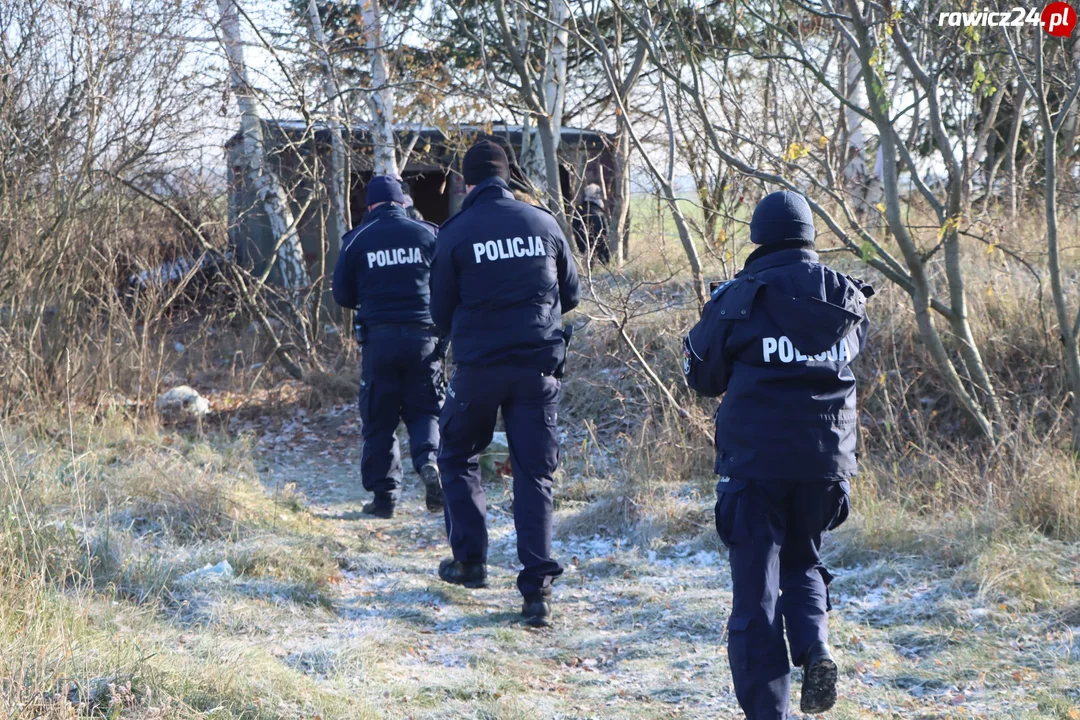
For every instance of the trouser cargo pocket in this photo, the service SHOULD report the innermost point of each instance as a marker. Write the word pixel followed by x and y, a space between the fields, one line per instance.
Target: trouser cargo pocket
pixel 738 642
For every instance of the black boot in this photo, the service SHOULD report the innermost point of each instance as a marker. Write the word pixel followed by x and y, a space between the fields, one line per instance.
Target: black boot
pixel 537 610
pixel 470 575
pixel 819 680
pixel 433 486
pixel 381 507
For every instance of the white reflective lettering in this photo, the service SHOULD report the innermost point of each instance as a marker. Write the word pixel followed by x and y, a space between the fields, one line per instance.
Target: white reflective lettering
pixel 787 352
pixel 408 256
pixel 505 249
pixel 768 347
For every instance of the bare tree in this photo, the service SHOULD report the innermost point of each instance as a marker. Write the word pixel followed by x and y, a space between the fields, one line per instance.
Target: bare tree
pixel 782 156
pixel 542 94
pixel 664 177
pixel 339 170
pixel 624 77
pixel 863 178
pixel 267 186
pixel 1013 144
pixel 381 97
pixel 1052 121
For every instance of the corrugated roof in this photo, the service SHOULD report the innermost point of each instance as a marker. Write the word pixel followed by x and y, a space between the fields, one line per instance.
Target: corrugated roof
pixel 495 130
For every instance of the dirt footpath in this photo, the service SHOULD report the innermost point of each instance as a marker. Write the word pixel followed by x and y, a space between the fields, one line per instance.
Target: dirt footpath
pixel 639 632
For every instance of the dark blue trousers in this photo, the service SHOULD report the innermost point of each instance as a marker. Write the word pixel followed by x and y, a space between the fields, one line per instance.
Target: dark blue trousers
pixel 773 534
pixel 400 379
pixel 529 403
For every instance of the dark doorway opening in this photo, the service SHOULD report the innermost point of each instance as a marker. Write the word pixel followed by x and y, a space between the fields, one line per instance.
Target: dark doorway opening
pixel 430 191
pixel 567 190
pixel 357 196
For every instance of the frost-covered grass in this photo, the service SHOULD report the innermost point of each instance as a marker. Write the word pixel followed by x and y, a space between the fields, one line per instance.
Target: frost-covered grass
pixel 100 525
pixel 957 591
pixel 337 616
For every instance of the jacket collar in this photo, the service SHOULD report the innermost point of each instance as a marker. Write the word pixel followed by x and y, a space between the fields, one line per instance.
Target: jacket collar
pixel 390 209
pixel 787 256
pixel 491 188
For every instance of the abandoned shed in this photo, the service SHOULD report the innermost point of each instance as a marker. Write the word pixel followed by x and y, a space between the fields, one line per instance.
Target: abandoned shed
pixel 300 153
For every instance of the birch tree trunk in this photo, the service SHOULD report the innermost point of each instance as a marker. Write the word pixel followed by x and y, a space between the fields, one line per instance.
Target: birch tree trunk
pixel 864 186
pixel 337 183
pixel 554 98
pixel 542 96
pixel 267 187
pixel 531 158
pixel 381 97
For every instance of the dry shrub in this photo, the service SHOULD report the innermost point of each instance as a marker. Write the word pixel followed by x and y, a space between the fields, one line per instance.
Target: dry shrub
pixel 1026 568
pixel 655 463
pixel 330 388
pixel 167 496
pixel 919 450
pixel 289 558
pixel 131 511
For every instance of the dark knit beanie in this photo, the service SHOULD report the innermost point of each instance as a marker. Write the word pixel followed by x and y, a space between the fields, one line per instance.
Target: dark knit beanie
pixel 780 216
pixel 483 160
pixel 384 188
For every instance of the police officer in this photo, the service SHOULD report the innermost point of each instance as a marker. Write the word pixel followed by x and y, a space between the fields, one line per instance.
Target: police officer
pixel 383 273
pixel 591 224
pixel 778 342
pixel 503 275
pixel 411 211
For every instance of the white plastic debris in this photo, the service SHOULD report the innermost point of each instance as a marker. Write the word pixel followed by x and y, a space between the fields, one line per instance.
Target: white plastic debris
pixel 499 445
pixel 208 574
pixel 493 461
pixel 183 400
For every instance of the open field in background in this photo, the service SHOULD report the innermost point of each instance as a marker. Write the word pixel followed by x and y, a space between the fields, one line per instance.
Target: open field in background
pixel 957 591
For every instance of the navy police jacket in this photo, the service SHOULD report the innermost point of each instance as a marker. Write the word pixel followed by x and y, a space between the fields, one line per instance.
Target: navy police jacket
pixel 778 342
pixel 384 268
pixel 502 277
